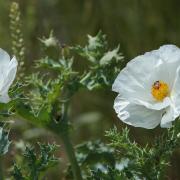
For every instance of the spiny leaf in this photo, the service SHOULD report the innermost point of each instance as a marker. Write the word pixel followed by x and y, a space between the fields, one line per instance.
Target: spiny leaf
pixel 4 141
pixel 36 163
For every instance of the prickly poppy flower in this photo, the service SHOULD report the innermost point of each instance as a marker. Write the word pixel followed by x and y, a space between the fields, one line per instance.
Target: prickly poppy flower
pixel 149 89
pixel 8 68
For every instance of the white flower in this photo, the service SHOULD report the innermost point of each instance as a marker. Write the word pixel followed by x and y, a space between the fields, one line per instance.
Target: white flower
pixel 149 89
pixel 8 70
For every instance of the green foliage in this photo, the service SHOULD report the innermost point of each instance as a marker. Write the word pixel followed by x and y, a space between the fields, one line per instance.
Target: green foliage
pixel 149 162
pixel 48 92
pixel 34 164
pixel 104 64
pixel 92 156
pixel 66 77
pixel 42 96
pixel 127 159
pixel 109 174
pixel 17 173
pixel 7 110
pixel 88 152
pixel 4 141
pixel 98 161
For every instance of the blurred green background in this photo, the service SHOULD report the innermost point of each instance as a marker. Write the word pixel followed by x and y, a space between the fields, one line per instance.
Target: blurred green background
pixel 138 26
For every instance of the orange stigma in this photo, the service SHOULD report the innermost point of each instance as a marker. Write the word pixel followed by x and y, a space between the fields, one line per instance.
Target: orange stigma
pixel 160 90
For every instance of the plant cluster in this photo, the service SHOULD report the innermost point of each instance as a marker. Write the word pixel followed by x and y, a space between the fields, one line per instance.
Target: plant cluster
pixel 43 98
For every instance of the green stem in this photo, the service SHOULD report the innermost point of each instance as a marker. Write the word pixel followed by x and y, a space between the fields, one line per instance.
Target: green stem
pixel 68 145
pixel 71 155
pixel 64 134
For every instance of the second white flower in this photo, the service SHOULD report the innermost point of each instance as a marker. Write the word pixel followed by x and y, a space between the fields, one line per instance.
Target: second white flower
pixel 149 89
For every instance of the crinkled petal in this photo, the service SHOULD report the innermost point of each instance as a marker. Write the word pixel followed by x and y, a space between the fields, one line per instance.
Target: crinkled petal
pixel 169 53
pixel 175 94
pixel 7 77
pixel 170 56
pixel 155 106
pixel 4 61
pixel 10 76
pixel 136 115
pixel 168 117
pixel 133 79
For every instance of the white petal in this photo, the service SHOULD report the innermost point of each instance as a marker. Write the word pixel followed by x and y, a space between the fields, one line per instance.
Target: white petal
pixel 7 76
pixel 10 75
pixel 4 57
pixel 132 81
pixel 170 56
pixel 4 61
pixel 169 53
pixel 175 94
pixel 4 98
pixel 156 105
pixel 167 118
pixel 136 115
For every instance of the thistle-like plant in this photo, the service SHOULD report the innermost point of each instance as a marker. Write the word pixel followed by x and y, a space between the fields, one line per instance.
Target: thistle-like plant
pixel 49 92
pixel 34 165
pixel 149 162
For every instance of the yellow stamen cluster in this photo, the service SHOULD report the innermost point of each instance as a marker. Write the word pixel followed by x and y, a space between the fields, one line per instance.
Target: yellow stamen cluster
pixel 160 90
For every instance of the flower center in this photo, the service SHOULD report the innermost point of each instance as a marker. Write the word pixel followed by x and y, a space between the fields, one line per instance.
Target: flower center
pixel 160 90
